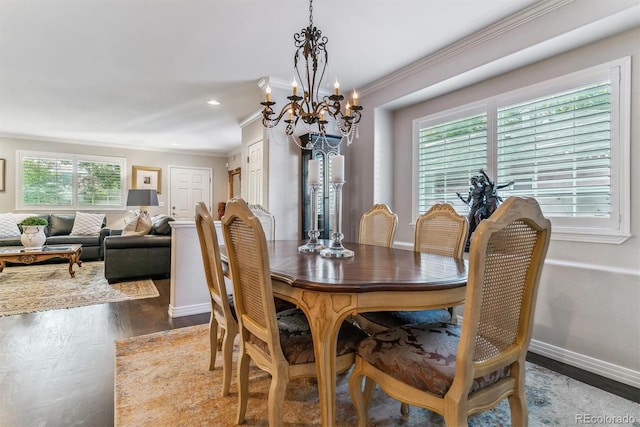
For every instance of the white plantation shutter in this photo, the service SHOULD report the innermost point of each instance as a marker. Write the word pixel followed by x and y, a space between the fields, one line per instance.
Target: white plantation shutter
pixel 69 181
pixel 448 155
pixel 48 181
pixel 564 142
pixel 99 182
pixel 557 149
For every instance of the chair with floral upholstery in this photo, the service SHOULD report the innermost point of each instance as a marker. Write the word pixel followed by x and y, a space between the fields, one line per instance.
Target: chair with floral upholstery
pixel 457 371
pixel 223 314
pixel 281 343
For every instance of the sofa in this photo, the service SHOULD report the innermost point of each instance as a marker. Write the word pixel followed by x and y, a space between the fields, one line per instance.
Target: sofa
pixel 133 256
pixel 59 232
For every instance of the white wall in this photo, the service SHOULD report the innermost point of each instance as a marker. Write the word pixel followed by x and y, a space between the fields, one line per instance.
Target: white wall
pixel 588 306
pixel 281 171
pixel 9 146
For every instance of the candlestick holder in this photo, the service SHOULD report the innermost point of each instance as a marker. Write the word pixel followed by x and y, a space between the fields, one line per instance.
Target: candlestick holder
pixel 313 245
pixel 335 249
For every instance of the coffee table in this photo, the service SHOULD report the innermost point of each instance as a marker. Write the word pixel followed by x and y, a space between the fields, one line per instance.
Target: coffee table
pixel 19 254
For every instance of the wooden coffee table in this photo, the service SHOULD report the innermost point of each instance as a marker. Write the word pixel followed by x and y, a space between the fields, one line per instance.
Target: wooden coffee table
pixel 19 254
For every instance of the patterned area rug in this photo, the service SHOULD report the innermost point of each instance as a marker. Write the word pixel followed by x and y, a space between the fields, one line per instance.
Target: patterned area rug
pixel 163 379
pixel 30 288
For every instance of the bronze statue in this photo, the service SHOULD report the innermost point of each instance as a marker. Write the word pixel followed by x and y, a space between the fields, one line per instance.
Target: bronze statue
pixel 483 200
pixel 475 199
pixel 491 198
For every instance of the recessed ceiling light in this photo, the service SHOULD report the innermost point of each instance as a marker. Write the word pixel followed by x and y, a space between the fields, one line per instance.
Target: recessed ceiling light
pixel 213 102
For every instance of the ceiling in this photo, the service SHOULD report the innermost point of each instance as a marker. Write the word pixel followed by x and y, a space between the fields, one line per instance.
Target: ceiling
pixel 138 73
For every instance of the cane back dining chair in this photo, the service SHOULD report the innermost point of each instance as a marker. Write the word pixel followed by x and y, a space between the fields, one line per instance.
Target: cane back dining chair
pixel 223 316
pixel 440 231
pixel 378 226
pixel 457 371
pixel 281 343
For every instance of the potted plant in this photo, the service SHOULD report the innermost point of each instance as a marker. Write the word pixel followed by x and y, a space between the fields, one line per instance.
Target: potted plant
pixel 33 236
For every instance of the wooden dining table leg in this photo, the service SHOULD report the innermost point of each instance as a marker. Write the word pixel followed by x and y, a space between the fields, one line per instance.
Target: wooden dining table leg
pixel 326 313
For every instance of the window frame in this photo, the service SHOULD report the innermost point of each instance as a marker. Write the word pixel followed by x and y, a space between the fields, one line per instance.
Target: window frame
pixel 618 71
pixel 75 159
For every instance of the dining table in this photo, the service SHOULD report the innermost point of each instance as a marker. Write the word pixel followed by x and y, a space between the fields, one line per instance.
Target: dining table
pixel 330 290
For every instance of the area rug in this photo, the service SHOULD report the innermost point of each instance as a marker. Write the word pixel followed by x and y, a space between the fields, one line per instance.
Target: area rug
pixel 162 379
pixel 31 288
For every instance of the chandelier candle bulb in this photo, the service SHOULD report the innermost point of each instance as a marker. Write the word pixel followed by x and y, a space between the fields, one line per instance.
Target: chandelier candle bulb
pixel 336 88
pixel 294 87
pixel 314 172
pixel 267 92
pixel 337 168
pixel 355 98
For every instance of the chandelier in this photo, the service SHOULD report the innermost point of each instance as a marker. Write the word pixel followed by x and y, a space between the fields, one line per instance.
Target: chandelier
pixel 309 112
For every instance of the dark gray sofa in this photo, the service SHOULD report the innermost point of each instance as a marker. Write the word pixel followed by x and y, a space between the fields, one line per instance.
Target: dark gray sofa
pixel 58 232
pixel 131 257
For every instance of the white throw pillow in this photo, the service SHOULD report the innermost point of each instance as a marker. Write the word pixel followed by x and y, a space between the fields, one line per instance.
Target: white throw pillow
pixel 8 226
pixel 138 225
pixel 86 224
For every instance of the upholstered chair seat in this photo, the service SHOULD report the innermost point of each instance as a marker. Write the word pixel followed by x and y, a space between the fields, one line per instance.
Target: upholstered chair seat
pixel 429 363
pixel 296 341
pixel 219 311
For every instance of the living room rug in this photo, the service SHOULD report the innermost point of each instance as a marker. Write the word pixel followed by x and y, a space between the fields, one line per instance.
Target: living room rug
pixel 31 288
pixel 162 379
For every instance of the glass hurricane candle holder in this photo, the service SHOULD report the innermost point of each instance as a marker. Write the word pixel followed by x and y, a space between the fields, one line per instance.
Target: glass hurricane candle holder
pixel 335 249
pixel 313 246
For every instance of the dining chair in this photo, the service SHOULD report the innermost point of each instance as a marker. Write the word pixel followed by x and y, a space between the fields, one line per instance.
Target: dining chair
pixel 267 219
pixel 223 316
pixel 378 226
pixel 281 343
pixel 440 231
pixel 460 370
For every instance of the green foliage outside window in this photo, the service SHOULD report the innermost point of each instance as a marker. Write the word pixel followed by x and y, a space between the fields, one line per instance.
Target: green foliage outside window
pixel 71 182
pixel 47 181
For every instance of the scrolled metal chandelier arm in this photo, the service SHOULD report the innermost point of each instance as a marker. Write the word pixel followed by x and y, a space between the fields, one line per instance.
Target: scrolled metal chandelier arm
pixel 311 53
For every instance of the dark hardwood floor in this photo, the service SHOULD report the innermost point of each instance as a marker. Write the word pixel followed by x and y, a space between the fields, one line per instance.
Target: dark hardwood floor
pixel 57 367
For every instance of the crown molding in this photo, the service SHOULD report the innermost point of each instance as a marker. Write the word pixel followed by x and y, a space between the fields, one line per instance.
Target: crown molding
pixel 496 30
pixel 40 138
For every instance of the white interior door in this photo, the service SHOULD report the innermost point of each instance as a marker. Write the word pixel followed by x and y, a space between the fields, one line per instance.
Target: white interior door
pixel 255 174
pixel 188 187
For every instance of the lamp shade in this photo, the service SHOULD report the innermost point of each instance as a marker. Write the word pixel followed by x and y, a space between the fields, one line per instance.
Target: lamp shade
pixel 142 198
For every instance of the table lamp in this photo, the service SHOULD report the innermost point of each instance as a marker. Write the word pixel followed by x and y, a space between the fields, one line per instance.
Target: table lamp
pixel 142 198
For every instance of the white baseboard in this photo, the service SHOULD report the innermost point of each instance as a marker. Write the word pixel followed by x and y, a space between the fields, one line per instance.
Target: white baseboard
pixel 590 364
pixel 188 310
pixel 587 363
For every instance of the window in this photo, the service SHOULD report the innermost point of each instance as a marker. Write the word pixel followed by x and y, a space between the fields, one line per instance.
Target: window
pixel 565 142
pixel 449 153
pixel 69 182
